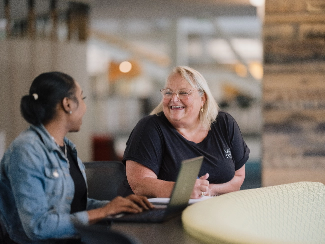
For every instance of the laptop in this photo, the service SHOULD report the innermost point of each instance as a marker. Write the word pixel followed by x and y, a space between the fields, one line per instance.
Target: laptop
pixel 178 201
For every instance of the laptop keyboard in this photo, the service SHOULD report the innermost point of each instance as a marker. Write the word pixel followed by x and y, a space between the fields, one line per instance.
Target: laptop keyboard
pixel 153 215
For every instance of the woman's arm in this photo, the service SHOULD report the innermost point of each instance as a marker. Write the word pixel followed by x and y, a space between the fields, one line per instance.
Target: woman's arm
pixel 144 181
pixel 27 178
pixel 130 204
pixel 233 185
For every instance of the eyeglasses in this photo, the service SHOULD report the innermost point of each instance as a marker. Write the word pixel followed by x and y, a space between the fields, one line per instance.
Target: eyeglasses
pixel 181 94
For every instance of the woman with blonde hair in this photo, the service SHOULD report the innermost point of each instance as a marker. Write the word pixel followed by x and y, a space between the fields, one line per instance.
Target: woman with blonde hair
pixel 184 125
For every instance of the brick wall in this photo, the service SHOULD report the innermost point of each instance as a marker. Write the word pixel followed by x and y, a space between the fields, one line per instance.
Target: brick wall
pixel 294 91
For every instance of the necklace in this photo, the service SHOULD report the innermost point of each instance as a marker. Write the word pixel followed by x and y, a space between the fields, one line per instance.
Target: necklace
pixel 66 153
pixel 63 149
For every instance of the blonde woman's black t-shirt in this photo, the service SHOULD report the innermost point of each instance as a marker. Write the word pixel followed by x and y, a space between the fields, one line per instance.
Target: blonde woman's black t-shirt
pixel 156 144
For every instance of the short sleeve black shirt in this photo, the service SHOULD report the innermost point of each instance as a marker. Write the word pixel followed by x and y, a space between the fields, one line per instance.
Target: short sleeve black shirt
pixel 156 144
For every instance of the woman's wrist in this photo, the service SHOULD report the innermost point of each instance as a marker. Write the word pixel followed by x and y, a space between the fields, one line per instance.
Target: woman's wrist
pixel 95 215
pixel 213 190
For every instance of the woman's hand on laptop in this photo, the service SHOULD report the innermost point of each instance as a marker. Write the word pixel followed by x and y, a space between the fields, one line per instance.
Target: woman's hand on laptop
pixel 129 204
pixel 141 201
pixel 201 187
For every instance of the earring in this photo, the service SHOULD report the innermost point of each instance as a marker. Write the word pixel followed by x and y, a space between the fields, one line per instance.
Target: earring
pixel 202 109
pixel 70 112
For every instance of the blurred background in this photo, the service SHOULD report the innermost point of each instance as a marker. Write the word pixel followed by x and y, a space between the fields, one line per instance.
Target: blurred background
pixel 122 51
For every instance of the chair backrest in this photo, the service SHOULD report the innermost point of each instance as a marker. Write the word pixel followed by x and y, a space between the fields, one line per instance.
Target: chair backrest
pixel 3 232
pixel 101 234
pixel 4 236
pixel 104 178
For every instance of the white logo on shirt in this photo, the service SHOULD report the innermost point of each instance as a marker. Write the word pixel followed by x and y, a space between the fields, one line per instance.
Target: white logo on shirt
pixel 228 153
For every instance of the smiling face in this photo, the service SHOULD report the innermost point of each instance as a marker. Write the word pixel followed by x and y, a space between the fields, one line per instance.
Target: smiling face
pixel 185 111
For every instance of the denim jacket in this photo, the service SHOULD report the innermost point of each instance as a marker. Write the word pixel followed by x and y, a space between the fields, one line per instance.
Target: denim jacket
pixel 36 189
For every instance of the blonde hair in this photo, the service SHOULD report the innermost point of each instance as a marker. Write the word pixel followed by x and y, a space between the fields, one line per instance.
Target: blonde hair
pixel 197 81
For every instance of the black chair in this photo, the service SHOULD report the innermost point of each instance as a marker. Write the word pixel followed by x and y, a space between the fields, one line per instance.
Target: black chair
pixel 100 234
pixel 104 178
pixel 4 236
pixel 3 232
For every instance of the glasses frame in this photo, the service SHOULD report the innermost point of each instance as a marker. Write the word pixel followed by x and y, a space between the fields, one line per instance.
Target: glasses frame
pixel 189 92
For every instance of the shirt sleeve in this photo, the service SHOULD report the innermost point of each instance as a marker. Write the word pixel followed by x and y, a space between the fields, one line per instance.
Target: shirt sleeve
pixel 144 145
pixel 239 149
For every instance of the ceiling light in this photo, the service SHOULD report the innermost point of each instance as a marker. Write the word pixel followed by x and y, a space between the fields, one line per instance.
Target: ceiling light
pixel 241 70
pixel 257 3
pixel 256 70
pixel 125 66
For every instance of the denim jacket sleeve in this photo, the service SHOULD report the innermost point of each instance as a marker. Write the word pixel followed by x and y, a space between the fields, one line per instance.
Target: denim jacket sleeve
pixel 43 190
pixel 93 203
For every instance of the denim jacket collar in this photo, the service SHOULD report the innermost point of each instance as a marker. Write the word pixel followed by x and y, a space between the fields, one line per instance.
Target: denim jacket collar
pixel 48 140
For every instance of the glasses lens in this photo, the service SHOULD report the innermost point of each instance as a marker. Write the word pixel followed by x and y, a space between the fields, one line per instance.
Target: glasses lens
pixel 167 93
pixel 184 93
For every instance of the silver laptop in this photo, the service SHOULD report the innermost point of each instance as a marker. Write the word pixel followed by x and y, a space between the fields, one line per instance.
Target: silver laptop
pixel 179 199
